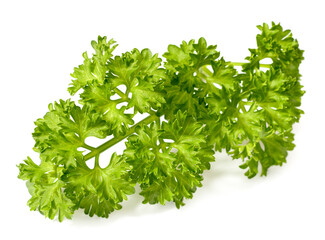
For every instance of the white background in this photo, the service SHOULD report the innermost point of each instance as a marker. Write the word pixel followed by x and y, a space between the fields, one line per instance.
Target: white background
pixel 41 42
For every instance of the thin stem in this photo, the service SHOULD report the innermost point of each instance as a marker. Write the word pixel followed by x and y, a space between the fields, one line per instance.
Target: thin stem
pixel 235 63
pixel 117 139
pixel 205 71
pixel 86 146
pixel 265 65
pixel 120 100
pixel 97 160
pixel 121 94
pixel 241 64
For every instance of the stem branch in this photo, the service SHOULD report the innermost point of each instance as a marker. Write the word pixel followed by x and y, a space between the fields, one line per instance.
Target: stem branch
pixel 205 71
pixel 117 139
pixel 86 146
pixel 121 94
pixel 241 64
pixel 97 160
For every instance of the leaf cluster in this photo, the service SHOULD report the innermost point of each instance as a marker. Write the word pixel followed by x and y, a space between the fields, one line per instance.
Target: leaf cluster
pixel 197 104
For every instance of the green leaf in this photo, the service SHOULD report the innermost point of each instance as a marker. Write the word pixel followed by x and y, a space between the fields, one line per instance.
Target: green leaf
pixel 46 188
pixel 94 68
pixel 222 75
pixel 45 172
pixel 184 62
pixel 144 97
pixel 190 55
pixel 64 129
pixel 178 57
pixel 100 190
pixel 140 73
pixel 278 45
pixel 98 96
pixel 272 150
pixel 178 99
pixel 168 161
pixel 50 200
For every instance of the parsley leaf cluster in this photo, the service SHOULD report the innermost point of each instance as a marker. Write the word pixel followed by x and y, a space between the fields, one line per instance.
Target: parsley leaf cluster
pixel 197 104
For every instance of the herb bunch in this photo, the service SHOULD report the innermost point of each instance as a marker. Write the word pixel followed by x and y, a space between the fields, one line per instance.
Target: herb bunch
pixel 197 103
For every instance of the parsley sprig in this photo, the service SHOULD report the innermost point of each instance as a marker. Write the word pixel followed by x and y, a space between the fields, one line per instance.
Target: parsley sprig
pixel 198 103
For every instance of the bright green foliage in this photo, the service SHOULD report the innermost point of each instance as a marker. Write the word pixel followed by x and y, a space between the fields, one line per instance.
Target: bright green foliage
pixel 46 189
pixel 99 97
pixel 64 129
pixel 58 137
pixel 184 85
pixel 139 72
pixel 99 190
pixel 278 45
pixel 169 170
pixel 94 68
pixel 255 120
pixel 198 103
pixel 136 72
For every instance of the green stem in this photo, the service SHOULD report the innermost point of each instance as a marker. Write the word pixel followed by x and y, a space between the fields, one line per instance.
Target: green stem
pixel 241 64
pixel 121 94
pixel 117 139
pixel 97 160
pixel 120 100
pixel 204 69
pixel 86 146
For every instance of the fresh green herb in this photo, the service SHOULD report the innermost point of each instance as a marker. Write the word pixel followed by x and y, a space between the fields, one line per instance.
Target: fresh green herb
pixel 197 102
